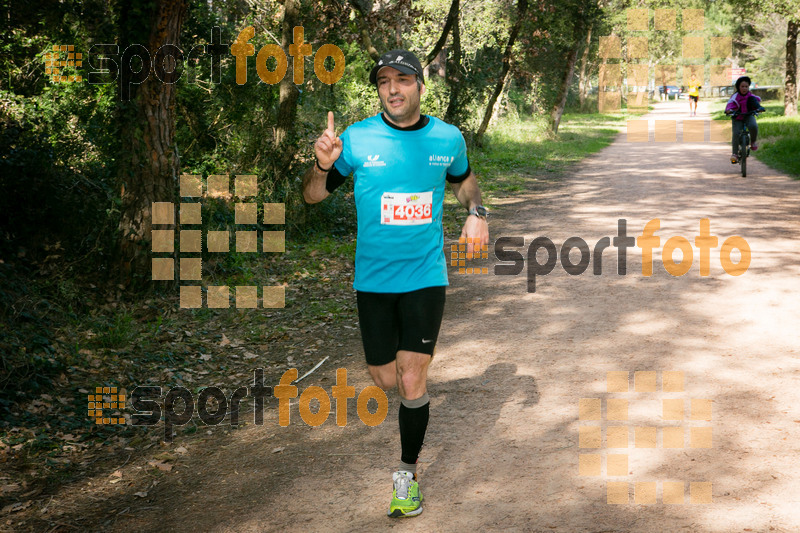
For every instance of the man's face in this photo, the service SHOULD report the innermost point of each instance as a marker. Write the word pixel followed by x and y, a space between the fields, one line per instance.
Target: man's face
pixel 399 95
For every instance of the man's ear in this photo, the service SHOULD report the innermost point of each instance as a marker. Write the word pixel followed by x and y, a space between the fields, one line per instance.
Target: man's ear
pixel 421 89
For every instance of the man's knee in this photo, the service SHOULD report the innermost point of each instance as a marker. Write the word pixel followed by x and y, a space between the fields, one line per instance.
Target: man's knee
pixel 385 378
pixel 412 379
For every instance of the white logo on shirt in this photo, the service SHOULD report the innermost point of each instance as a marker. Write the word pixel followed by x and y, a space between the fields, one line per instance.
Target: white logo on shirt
pixel 440 160
pixel 373 161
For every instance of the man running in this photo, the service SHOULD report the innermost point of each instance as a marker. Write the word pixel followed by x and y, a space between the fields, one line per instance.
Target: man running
pixel 400 161
pixel 694 94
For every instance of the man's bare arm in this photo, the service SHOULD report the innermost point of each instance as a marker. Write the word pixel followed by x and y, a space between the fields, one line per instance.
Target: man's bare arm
pixel 314 185
pixel 327 150
pixel 475 228
pixel 467 192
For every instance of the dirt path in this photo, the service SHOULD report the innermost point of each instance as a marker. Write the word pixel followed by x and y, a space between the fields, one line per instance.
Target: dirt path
pixel 502 450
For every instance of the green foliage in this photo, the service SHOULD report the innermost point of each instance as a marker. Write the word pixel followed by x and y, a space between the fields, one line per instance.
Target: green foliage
pixel 434 101
pixel 114 332
pixel 763 49
pixel 28 361
pixel 779 143
pixel 354 97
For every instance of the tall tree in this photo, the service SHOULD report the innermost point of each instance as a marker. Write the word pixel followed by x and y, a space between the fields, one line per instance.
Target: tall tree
pixel 452 17
pixel 522 8
pixel 790 85
pixel 287 108
pixel 148 166
pixel 455 75
pixel 361 9
pixel 583 84
pixel 580 17
pixel 790 10
pixel 561 100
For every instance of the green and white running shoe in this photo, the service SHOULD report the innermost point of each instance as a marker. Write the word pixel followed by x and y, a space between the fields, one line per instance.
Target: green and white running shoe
pixel 406 496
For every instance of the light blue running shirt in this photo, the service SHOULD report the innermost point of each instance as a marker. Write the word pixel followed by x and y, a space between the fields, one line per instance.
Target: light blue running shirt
pixel 399 181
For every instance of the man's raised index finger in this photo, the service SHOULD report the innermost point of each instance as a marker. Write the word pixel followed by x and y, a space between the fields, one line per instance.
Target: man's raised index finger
pixel 330 122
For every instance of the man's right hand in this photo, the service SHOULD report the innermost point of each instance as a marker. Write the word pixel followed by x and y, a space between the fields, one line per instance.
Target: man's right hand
pixel 328 147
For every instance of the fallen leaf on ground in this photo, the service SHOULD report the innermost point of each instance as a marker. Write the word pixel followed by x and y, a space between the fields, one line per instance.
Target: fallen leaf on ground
pixel 14 507
pixel 161 465
pixel 225 341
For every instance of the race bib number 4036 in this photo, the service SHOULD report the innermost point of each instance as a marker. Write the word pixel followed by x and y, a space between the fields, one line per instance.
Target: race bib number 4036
pixel 406 209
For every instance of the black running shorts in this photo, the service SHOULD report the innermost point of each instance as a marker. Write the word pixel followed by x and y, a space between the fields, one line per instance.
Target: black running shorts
pixel 399 321
pixel 693 98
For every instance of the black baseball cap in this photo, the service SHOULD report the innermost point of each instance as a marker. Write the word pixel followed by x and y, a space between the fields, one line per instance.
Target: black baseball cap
pixel 402 60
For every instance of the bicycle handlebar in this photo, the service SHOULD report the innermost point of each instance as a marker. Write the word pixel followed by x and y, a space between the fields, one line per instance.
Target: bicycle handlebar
pixel 734 114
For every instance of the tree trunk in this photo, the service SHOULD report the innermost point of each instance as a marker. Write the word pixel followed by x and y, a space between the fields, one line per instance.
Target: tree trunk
pixel 790 85
pixel 522 6
pixel 287 107
pixel 561 101
pixel 148 164
pixel 454 79
pixel 451 16
pixel 582 84
pixel 361 20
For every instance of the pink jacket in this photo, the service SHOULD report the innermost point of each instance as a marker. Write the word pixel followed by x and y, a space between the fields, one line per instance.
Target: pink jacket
pixel 741 103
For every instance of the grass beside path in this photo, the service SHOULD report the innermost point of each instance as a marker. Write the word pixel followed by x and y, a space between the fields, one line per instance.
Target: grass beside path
pixel 521 153
pixel 778 136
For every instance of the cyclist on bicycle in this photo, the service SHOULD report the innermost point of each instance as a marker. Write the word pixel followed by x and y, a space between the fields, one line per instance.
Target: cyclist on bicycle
pixel 743 101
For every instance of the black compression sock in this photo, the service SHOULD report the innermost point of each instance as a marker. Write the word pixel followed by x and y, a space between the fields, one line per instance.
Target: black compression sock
pixel 413 423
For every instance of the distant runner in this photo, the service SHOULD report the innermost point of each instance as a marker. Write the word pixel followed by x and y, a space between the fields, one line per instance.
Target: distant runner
pixel 401 161
pixel 694 94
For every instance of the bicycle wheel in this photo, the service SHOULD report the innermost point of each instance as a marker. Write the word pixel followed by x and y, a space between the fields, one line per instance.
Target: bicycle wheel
pixel 744 142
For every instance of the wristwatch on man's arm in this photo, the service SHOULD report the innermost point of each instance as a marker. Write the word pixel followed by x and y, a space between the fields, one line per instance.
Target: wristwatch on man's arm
pixel 479 211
